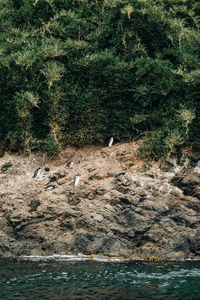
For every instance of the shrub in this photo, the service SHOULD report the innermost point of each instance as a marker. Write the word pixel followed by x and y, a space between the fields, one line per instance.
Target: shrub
pixel 80 71
pixel 51 147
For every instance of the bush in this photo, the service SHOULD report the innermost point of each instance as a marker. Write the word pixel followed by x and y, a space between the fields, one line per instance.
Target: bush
pixel 153 146
pixel 51 147
pixel 80 71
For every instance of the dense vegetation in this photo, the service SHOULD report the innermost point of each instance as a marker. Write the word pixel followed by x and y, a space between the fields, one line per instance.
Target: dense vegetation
pixel 78 71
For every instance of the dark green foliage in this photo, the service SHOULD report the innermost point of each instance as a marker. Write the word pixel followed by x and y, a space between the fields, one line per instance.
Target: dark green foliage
pixel 77 72
pixel 51 147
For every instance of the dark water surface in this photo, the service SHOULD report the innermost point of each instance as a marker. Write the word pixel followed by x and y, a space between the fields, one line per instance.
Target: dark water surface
pixel 73 279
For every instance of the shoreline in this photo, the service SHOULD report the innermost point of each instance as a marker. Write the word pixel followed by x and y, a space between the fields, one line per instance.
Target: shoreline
pixel 96 258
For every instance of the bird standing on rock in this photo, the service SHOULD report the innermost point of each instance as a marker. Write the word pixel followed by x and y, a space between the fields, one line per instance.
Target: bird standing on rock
pixel 110 142
pixel 76 179
pixel 69 164
pixel 36 173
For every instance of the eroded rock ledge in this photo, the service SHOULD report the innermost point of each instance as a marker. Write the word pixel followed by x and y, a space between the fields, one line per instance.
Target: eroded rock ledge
pixel 149 215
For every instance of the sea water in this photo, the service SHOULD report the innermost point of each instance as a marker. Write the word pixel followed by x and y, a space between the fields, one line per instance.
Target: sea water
pixel 78 278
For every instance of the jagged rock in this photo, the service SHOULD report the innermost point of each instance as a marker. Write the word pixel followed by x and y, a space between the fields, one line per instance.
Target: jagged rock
pixel 126 158
pixel 99 191
pixel 149 215
pixel 95 176
pixel 190 183
pixel 73 199
pixel 195 245
pixel 68 223
pixel 58 175
pixel 34 204
pixel 6 166
pixel 197 192
pixel 123 180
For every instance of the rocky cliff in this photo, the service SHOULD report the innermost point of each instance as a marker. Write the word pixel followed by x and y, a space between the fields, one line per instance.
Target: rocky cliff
pixel 149 213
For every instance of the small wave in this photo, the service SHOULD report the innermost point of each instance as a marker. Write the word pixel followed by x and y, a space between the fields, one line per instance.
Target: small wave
pixel 70 257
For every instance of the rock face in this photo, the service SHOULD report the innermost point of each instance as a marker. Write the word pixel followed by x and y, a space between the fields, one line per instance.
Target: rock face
pixel 149 215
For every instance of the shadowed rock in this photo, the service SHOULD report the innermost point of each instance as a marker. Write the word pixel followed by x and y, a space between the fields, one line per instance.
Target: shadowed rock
pixel 34 204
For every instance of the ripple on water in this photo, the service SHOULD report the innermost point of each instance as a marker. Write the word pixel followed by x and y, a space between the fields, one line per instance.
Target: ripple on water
pixel 70 279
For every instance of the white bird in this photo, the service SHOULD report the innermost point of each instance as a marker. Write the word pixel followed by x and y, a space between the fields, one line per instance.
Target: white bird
pixel 69 164
pixel 50 187
pixel 36 173
pixel 76 179
pixel 110 142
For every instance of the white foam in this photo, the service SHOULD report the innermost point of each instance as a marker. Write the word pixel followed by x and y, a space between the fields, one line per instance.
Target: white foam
pixel 70 257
